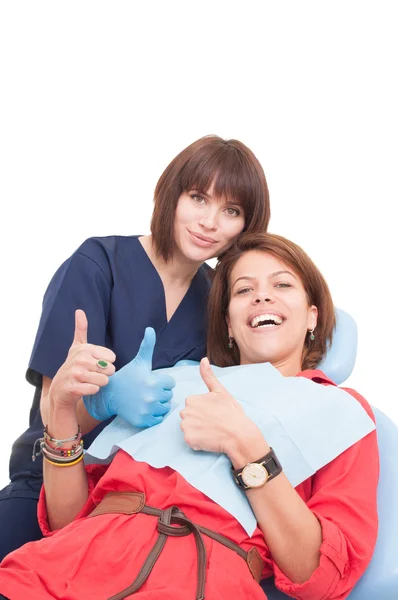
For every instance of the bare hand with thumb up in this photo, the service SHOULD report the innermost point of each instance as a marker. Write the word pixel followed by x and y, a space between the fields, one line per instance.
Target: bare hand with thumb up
pixel 215 422
pixel 212 421
pixel 86 369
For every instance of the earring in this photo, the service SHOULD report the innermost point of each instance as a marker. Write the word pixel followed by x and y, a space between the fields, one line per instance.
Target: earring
pixel 231 342
pixel 311 332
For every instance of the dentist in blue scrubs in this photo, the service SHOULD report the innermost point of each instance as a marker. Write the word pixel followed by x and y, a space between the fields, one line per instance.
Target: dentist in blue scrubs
pixel 210 193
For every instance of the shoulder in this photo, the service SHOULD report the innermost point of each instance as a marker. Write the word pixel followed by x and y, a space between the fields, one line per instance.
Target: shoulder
pixel 319 376
pixel 111 245
pixel 107 253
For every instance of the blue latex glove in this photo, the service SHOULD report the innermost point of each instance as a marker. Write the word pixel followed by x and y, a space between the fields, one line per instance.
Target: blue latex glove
pixel 135 392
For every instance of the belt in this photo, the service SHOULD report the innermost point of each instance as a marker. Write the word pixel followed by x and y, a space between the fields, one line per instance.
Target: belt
pixel 130 503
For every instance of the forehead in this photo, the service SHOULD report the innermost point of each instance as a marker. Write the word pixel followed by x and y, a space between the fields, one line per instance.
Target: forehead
pixel 258 263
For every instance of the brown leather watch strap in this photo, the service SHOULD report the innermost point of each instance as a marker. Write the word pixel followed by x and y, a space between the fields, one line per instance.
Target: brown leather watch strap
pixel 269 462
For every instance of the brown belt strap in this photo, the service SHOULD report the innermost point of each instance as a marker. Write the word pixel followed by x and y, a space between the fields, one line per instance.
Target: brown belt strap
pixel 167 518
pixel 134 502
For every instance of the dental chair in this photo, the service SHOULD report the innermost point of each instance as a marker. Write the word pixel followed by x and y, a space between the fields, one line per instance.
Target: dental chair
pixel 380 581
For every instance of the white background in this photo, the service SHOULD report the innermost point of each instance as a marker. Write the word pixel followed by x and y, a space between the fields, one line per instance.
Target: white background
pixel 96 99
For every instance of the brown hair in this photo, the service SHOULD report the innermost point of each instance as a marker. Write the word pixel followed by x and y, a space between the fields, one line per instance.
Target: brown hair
pixel 315 286
pixel 236 174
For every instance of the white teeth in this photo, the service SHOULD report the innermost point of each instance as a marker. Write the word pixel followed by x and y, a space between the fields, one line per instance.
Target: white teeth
pixel 275 320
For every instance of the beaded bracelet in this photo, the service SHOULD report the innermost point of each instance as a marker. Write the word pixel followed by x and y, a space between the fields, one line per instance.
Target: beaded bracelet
pixel 62 451
pixel 64 464
pixel 59 458
pixel 43 442
pixel 76 450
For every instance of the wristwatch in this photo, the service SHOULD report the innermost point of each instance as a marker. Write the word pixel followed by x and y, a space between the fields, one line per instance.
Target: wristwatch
pixel 256 474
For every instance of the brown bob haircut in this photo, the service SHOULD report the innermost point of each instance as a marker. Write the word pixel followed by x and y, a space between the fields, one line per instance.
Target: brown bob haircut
pixel 236 173
pixel 315 286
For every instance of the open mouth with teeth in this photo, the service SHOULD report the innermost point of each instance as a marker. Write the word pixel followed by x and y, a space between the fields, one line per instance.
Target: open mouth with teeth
pixel 266 320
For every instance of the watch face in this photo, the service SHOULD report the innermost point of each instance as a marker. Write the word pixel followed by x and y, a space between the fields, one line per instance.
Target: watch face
pixel 254 475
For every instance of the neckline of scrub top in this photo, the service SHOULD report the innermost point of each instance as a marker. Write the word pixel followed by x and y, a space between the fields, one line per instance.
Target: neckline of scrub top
pixel 161 286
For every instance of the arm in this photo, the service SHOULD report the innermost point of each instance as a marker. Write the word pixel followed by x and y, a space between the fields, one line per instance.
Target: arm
pixel 336 527
pixel 215 422
pixel 320 547
pixel 291 530
pixel 66 486
pixel 135 393
pixel 344 501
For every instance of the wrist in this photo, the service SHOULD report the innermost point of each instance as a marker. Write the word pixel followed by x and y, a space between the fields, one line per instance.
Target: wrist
pixel 246 446
pixel 59 409
pixel 62 420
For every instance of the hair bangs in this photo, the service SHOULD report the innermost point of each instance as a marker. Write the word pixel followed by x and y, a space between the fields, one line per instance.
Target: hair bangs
pixel 225 170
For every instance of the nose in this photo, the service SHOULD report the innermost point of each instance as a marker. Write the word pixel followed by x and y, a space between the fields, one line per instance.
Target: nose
pixel 208 219
pixel 262 298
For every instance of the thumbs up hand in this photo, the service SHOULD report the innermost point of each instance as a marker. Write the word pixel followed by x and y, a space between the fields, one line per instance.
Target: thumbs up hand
pixel 81 373
pixel 135 393
pixel 213 421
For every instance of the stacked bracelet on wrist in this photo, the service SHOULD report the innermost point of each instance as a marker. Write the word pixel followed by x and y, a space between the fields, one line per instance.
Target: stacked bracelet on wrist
pixel 58 443
pixel 53 452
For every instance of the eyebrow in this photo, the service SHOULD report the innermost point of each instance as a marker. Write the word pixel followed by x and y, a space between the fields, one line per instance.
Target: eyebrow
pixel 281 273
pixel 251 278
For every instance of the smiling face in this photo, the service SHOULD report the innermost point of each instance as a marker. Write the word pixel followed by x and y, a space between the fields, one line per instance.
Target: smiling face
pixel 205 225
pixel 268 314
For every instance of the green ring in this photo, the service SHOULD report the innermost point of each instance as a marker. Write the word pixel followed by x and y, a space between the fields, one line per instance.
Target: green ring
pixel 102 364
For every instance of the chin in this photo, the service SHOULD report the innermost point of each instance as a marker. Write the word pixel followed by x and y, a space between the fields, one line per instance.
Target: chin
pixel 196 254
pixel 254 357
pixel 261 359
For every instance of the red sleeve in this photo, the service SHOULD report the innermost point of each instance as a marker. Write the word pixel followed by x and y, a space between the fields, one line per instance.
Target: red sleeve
pixel 94 474
pixel 344 501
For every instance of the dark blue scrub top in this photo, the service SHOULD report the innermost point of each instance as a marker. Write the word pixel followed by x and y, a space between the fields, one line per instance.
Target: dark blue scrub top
pixel 113 280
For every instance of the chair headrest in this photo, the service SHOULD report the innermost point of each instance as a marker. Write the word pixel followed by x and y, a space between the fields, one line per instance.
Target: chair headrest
pixel 340 358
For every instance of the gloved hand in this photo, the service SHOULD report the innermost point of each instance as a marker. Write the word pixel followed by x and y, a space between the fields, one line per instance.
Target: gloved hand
pixel 135 393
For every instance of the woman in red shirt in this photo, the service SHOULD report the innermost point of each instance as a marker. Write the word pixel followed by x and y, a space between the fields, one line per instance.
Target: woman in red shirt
pixel 268 303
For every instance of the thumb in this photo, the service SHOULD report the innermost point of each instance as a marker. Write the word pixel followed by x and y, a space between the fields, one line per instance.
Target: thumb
pixel 145 352
pixel 213 385
pixel 81 326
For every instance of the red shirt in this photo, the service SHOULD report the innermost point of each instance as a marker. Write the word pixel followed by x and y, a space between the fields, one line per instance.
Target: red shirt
pixel 94 558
